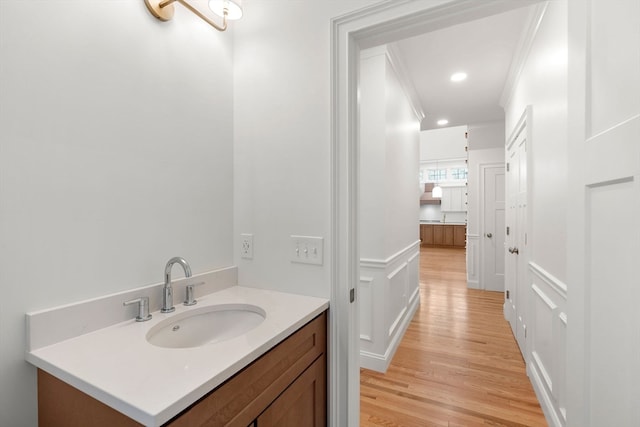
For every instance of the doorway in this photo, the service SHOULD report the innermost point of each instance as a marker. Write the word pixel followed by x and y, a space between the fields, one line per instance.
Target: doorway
pixel 369 27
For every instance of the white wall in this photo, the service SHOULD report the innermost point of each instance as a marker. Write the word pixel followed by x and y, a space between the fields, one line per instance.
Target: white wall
pixel 445 143
pixel 543 85
pixel 115 154
pixel 402 154
pixel 374 170
pixel 389 233
pixel 486 135
pixel 282 137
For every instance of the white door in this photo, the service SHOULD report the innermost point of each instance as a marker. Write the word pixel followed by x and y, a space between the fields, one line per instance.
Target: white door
pixel 516 232
pixel 493 228
pixel 603 297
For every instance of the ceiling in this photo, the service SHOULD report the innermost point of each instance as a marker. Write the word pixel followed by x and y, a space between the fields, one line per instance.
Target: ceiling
pixel 484 49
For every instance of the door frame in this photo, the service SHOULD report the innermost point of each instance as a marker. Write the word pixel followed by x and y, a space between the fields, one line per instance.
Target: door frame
pixel 382 23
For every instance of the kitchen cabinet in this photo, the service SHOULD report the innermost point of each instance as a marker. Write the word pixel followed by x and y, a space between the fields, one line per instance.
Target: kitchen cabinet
pixel 460 236
pixel 443 235
pixel 285 386
pixel 426 234
pixel 454 199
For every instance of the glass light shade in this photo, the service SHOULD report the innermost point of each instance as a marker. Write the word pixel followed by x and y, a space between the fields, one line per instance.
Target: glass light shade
pixel 436 192
pixel 233 7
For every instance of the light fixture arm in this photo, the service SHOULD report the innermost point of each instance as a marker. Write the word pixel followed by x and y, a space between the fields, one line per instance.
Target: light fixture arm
pixel 163 10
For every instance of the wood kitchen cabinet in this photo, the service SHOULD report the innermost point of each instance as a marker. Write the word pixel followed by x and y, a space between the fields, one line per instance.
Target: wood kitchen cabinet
pixel 284 387
pixel 426 234
pixel 460 236
pixel 443 235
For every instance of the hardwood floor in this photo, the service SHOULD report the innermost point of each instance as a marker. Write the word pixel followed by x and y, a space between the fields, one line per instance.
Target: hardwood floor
pixel 458 363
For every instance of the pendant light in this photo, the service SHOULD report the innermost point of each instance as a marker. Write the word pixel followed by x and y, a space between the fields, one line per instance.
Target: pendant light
pixel 436 193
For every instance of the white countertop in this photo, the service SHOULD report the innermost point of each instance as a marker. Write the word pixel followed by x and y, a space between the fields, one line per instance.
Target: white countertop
pixel 117 366
pixel 426 222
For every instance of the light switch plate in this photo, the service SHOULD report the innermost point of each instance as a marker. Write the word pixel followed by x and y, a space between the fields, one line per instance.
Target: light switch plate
pixel 307 249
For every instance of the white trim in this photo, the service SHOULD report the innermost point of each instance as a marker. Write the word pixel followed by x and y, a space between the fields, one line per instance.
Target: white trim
pixel 366 281
pixel 552 306
pixel 398 65
pixel 522 52
pixel 383 263
pixel 379 362
pixel 395 272
pixel 553 282
pixel 563 318
pixel 545 400
pixel 542 370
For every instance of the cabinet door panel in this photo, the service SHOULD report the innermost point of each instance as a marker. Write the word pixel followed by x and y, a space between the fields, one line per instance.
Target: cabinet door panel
pixel 427 239
pixel 438 235
pixel 448 235
pixel 460 235
pixel 303 403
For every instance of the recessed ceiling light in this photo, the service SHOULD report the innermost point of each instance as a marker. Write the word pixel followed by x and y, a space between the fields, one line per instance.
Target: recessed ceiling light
pixel 458 77
pixel 442 122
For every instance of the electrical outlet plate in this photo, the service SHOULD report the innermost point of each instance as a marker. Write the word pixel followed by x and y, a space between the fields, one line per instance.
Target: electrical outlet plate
pixel 307 249
pixel 246 246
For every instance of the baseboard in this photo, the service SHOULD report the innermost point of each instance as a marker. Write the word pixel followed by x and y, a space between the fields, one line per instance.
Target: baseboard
pixel 380 362
pixel 553 418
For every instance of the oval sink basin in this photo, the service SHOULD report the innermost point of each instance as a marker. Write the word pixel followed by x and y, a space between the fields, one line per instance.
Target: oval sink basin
pixel 206 325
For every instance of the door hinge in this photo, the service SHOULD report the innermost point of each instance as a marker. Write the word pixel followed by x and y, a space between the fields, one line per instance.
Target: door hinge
pixel 507 231
pixel 507 167
pixel 352 295
pixel 507 294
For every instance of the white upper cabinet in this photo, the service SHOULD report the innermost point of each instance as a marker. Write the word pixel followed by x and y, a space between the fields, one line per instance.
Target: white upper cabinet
pixel 454 199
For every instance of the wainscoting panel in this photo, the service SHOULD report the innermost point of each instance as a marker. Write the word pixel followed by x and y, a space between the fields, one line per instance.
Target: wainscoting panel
pixel 397 294
pixel 366 308
pixel 389 296
pixel 547 342
pixel 473 259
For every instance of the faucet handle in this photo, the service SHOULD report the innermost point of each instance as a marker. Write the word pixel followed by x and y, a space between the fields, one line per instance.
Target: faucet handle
pixel 190 300
pixel 143 308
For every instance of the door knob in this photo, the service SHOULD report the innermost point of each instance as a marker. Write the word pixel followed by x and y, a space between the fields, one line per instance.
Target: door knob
pixel 489 235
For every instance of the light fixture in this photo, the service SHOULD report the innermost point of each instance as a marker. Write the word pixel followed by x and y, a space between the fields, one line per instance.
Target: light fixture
pixel 459 76
pixel 227 9
pixel 436 192
pixel 442 122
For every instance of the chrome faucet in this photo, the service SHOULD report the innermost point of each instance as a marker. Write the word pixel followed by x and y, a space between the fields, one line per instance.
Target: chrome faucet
pixel 167 291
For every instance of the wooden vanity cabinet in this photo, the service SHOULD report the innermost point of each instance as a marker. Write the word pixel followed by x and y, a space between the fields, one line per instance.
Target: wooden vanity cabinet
pixel 284 387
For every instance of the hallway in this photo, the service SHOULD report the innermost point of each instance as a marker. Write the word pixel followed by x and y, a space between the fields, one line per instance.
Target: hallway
pixel 458 363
